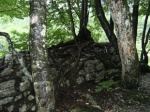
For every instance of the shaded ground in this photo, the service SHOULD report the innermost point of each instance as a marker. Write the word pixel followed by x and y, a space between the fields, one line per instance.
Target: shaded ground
pixel 83 98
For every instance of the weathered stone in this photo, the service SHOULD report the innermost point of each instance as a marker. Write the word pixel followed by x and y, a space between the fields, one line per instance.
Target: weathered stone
pixel 18 97
pixel 7 71
pixel 8 58
pixel 24 85
pixel 19 73
pixel 95 61
pixel 89 66
pixel 88 108
pixel 89 77
pixel 10 109
pixel 81 72
pixel 25 94
pixel 100 76
pixel 92 101
pixel 79 80
pixel 29 92
pixel 73 64
pixel 23 108
pixel 5 100
pixel 7 88
pixel 33 108
pixel 30 97
pixel 100 67
pixel 1 108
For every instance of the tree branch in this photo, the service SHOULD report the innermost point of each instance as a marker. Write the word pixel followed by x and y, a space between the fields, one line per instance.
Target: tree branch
pixel 16 55
pixel 103 21
pixel 76 12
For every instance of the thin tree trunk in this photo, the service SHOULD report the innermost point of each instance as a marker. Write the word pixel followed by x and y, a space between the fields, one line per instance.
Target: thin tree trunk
pixel 126 43
pixel 111 24
pixel 71 19
pixel 144 57
pixel 105 24
pixel 42 79
pixel 84 14
pixel 84 33
pixel 135 18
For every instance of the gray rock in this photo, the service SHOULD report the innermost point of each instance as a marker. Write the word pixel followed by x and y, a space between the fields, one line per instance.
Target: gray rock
pixel 100 76
pixel 23 108
pixel 25 94
pixel 24 85
pixel 30 97
pixel 7 71
pixel 33 108
pixel 10 109
pixel 81 72
pixel 92 101
pixel 5 100
pixel 89 77
pixel 100 67
pixel 79 80
pixel 8 58
pixel 18 97
pixel 88 108
pixel 7 88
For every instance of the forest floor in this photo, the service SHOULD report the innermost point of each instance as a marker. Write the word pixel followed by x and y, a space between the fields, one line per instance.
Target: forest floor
pixel 83 98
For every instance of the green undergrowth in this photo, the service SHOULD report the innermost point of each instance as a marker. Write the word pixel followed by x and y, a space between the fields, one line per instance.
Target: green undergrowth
pixel 106 85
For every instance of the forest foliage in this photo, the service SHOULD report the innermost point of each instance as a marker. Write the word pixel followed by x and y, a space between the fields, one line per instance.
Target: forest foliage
pixel 14 20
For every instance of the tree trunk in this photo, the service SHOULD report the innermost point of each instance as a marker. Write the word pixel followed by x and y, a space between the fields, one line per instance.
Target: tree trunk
pixel 84 14
pixel 126 43
pixel 105 24
pixel 111 24
pixel 71 20
pixel 84 33
pixel 144 57
pixel 135 18
pixel 42 79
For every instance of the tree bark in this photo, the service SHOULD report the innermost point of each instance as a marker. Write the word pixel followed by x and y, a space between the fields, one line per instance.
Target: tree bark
pixel 144 57
pixel 135 18
pixel 71 19
pixel 84 33
pixel 126 43
pixel 42 79
pixel 84 14
pixel 105 24
pixel 111 24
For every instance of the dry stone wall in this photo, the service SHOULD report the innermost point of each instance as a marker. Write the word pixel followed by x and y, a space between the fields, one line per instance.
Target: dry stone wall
pixel 16 92
pixel 69 65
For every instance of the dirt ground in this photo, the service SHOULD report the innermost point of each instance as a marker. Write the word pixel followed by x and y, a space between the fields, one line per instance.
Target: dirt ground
pixel 83 98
